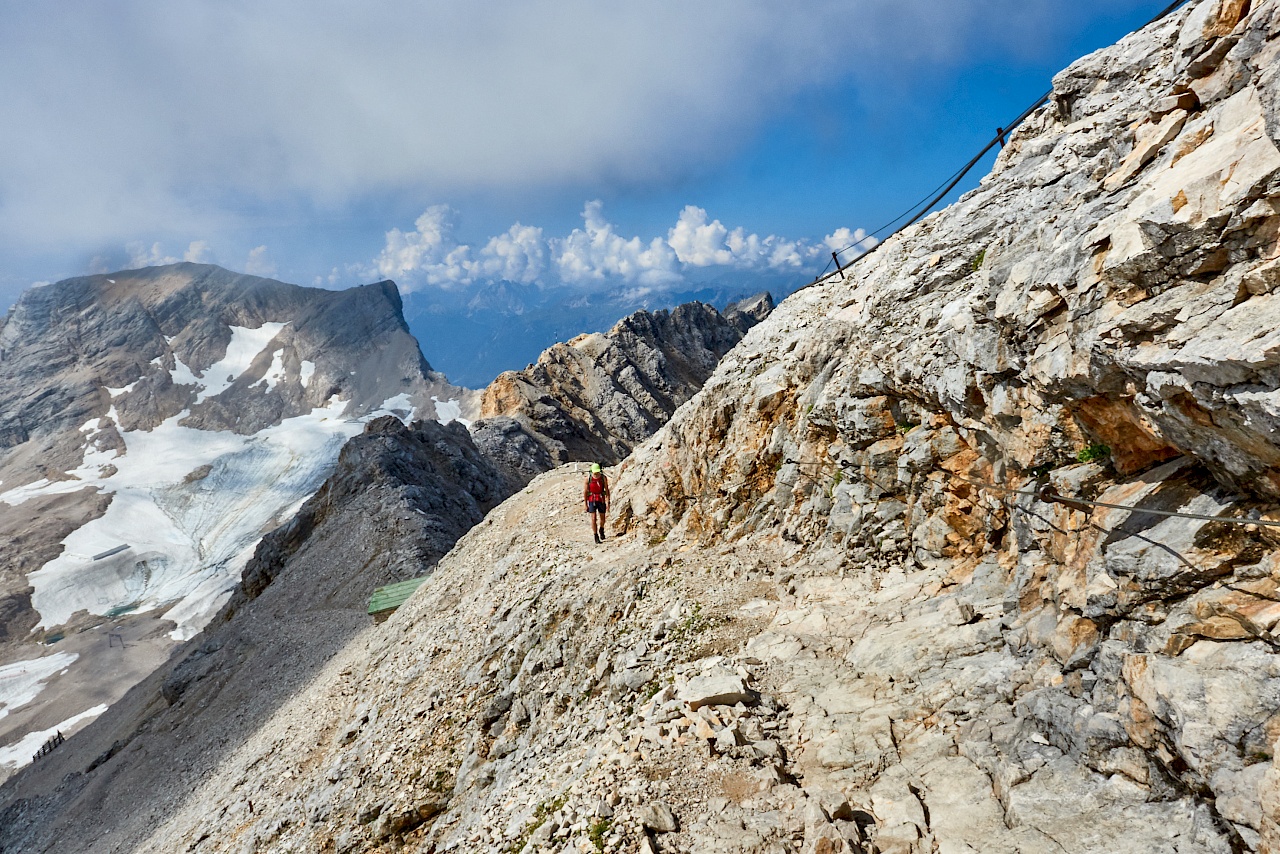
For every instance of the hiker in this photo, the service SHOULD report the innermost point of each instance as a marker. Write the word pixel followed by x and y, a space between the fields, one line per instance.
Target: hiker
pixel 595 492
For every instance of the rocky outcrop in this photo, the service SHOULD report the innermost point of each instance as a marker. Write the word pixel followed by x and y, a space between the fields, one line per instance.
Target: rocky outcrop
pixel 597 396
pixel 397 501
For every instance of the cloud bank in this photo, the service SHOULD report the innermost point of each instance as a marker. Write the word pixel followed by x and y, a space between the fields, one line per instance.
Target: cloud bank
pixel 595 254
pixel 193 116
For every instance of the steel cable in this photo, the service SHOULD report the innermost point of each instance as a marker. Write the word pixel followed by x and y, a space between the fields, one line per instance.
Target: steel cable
pixel 957 177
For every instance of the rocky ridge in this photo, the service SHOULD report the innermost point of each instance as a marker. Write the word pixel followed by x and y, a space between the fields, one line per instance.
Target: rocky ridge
pixel 826 625
pixel 65 346
pixel 597 396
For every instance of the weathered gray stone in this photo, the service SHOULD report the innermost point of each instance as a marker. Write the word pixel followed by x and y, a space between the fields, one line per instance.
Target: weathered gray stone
pixel 717 688
pixel 658 818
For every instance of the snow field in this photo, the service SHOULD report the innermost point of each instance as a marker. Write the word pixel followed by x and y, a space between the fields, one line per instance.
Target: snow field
pixel 18 754
pixel 21 681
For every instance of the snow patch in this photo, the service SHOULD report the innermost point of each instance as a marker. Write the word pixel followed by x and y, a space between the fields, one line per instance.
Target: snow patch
pixel 449 410
pixel 244 347
pixel 306 372
pixel 116 392
pixel 18 754
pixel 396 405
pixel 275 373
pixel 181 374
pixel 21 681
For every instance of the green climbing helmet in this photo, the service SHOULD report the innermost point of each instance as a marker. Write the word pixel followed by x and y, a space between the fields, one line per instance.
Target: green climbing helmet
pixel 595 467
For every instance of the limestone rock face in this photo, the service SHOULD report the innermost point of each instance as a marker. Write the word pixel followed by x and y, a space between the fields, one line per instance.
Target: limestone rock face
pixel 1098 315
pixel 597 396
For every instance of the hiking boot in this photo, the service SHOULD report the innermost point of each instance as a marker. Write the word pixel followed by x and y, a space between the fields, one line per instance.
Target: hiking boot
pixel 596 535
pixel 602 536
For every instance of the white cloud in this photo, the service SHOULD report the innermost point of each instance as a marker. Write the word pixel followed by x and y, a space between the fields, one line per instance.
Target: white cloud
pixel 518 255
pixel 697 242
pixel 429 253
pixel 141 255
pixel 198 252
pixel 258 264
pixel 593 255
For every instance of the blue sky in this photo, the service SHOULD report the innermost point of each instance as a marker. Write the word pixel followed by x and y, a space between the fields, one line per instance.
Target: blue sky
pixel 600 146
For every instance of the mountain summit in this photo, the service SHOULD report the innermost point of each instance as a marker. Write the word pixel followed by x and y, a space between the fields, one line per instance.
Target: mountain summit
pixel 153 425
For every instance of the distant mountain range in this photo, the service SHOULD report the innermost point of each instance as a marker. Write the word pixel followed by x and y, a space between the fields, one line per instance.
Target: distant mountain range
pixel 474 335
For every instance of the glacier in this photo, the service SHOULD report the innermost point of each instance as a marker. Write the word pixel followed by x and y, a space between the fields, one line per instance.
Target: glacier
pixel 188 506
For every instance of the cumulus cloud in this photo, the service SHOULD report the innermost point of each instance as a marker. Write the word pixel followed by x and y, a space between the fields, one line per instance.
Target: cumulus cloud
pixel 431 254
pixel 428 253
pixel 140 254
pixel 198 252
pixel 135 118
pixel 595 254
pixel 520 254
pixel 258 264
pixel 699 243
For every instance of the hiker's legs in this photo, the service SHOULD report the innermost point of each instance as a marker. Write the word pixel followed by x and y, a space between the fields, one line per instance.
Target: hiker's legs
pixel 601 515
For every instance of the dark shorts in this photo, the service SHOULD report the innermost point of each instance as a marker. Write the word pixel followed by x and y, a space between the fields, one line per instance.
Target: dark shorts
pixel 595 506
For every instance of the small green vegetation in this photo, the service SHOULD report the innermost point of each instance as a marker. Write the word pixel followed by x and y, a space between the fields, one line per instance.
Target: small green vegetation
pixel 598 831
pixel 978 259
pixel 650 689
pixel 440 782
pixel 690 626
pixel 905 427
pixel 540 815
pixel 1094 454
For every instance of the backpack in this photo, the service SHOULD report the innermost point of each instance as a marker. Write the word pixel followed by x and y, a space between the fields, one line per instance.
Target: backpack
pixel 595 488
